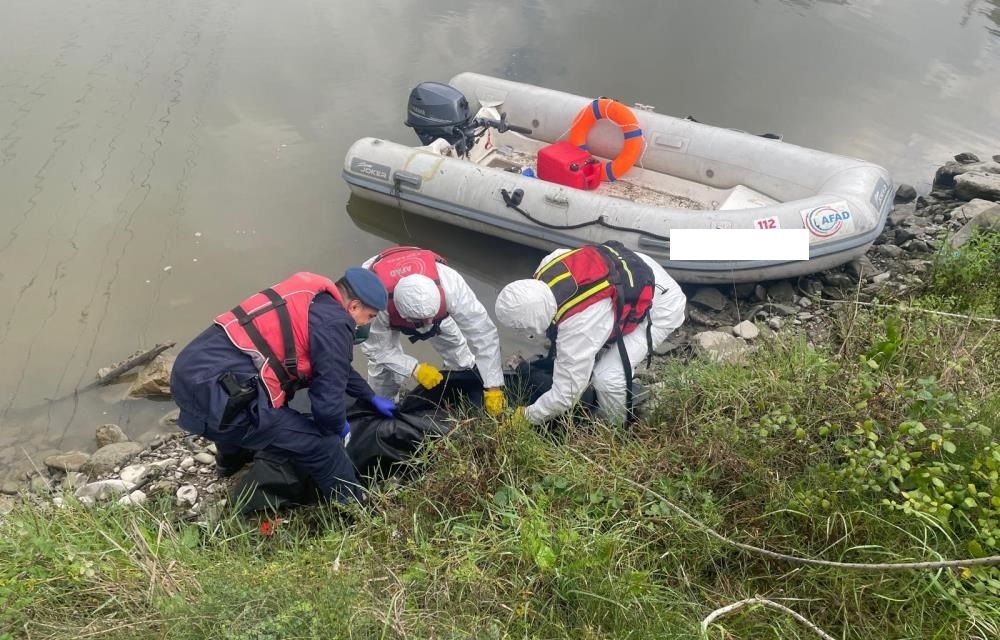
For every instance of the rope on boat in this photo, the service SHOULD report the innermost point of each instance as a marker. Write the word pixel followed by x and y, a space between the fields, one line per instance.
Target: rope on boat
pixel 512 200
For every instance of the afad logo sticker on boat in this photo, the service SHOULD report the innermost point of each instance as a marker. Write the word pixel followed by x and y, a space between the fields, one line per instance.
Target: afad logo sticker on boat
pixel 828 220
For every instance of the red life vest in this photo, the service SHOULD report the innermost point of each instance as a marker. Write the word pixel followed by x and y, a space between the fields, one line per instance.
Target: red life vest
pixel 391 266
pixel 585 276
pixel 272 327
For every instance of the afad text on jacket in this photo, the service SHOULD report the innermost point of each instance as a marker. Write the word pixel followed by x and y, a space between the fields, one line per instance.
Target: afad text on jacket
pixel 394 264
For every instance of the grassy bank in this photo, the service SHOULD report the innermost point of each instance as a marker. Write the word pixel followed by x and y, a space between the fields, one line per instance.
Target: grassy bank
pixel 881 446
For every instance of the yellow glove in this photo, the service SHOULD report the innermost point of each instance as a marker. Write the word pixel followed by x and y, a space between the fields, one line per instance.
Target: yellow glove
pixel 427 375
pixel 494 401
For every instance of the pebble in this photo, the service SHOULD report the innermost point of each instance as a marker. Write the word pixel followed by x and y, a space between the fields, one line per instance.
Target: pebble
pixel 746 330
pixel 187 495
pixel 187 463
pixel 775 324
pixel 205 458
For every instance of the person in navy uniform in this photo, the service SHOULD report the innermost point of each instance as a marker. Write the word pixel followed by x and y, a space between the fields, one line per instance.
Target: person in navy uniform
pixel 234 381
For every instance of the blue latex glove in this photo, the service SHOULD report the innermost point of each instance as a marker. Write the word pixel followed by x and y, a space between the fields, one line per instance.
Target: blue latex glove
pixel 345 433
pixel 384 405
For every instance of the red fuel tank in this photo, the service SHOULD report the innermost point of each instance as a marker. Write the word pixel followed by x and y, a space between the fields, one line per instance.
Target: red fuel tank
pixel 565 163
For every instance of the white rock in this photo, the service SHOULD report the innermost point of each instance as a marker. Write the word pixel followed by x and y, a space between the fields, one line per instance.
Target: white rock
pixel 719 346
pixel 187 463
pixel 205 458
pixel 746 330
pixel 213 449
pixel 775 323
pixel 187 495
pixel 134 498
pixel 102 489
pixel 165 464
pixel 87 501
pixel 134 473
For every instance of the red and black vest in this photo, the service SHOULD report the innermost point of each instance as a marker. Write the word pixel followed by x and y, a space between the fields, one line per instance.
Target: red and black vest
pixel 391 266
pixel 272 327
pixel 585 276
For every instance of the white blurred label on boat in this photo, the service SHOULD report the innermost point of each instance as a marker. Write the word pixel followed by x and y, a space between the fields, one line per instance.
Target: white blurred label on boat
pixel 739 244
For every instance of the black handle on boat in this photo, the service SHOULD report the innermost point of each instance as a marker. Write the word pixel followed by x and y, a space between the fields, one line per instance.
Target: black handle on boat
pixel 501 125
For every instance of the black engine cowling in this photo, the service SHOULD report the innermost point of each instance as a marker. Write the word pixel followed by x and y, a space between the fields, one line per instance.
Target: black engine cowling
pixel 437 110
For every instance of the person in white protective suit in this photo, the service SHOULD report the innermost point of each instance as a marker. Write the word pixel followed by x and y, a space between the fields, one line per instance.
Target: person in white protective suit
pixel 428 300
pixel 595 304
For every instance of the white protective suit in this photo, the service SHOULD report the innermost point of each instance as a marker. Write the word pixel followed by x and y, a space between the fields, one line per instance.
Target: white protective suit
pixel 468 337
pixel 529 305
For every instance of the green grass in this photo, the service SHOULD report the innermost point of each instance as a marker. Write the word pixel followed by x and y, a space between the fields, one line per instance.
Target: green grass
pixel 511 533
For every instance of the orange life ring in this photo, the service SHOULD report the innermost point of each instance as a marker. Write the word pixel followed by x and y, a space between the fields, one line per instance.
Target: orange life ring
pixel 625 119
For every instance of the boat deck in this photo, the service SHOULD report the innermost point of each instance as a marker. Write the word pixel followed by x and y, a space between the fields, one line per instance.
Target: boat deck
pixel 625 188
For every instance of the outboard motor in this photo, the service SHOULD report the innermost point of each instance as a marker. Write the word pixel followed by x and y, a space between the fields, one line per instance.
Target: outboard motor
pixel 437 110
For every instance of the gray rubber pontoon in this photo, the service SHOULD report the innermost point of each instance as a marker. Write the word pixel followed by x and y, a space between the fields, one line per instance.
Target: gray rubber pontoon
pixel 689 175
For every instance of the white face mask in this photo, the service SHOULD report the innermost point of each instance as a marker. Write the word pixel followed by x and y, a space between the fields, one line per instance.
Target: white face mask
pixel 424 328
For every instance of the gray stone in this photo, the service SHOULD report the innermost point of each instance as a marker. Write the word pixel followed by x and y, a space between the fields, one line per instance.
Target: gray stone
pixel 187 495
pixel 781 292
pixel 966 158
pixel 103 489
pixel 11 487
pixel 986 221
pixel 700 317
pixel 775 323
pixel 939 218
pixel 971 209
pixel 40 485
pixel 902 235
pixel 170 419
pixel 834 293
pixel 205 458
pixel 105 459
pixel 970 186
pixel 69 461
pixel 880 278
pixel 861 268
pixel 917 266
pixel 805 302
pixel 945 175
pixel 917 246
pixel 709 298
pixel 719 346
pixel 134 473
pixel 773 308
pixel 165 464
pixel 154 379
pixel 746 330
pixel 905 193
pixel 836 279
pixel 901 214
pixel 187 463
pixel 73 481
pixel 133 499
pixel 810 286
pixel 7 504
pixel 162 487
pixel 109 434
pixel 213 449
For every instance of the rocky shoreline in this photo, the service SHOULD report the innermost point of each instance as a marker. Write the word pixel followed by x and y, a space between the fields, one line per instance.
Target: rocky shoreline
pixel 721 323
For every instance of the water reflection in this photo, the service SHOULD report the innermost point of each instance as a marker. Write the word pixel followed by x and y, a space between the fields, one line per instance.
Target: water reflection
pixel 489 260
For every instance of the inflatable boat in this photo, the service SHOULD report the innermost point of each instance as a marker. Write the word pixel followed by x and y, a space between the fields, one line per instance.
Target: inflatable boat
pixel 575 170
